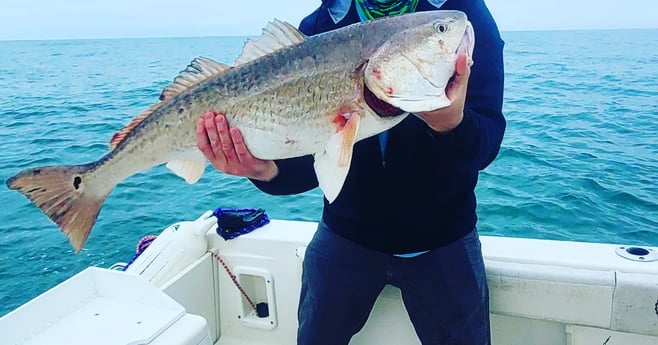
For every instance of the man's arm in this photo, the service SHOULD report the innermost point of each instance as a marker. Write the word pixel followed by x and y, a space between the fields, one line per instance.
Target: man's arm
pixel 471 139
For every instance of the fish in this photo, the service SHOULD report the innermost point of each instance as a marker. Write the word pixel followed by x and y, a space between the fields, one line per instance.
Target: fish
pixel 289 94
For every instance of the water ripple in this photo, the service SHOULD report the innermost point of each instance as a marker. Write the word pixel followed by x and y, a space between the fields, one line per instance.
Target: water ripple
pixel 578 162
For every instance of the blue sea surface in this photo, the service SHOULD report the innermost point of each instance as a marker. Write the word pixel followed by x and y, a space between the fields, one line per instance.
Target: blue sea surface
pixel 579 160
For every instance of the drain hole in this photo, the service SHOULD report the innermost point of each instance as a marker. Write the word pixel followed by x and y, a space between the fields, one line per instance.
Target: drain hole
pixel 639 254
pixel 637 251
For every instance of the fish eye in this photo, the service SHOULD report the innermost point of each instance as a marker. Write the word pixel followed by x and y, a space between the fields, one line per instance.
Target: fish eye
pixel 441 27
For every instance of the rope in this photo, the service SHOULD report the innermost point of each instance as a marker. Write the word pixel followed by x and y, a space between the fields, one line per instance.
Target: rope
pixel 234 279
pixel 143 243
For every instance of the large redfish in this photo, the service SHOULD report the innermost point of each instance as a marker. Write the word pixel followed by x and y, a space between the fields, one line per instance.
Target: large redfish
pixel 290 95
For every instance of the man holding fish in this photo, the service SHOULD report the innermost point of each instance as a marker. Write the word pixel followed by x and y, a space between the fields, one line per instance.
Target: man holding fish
pixel 329 107
pixel 406 214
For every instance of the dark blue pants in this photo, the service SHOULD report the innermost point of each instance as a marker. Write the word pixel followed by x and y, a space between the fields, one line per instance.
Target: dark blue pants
pixel 444 291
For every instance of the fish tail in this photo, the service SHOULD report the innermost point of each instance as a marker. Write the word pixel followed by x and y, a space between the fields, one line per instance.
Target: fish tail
pixel 65 195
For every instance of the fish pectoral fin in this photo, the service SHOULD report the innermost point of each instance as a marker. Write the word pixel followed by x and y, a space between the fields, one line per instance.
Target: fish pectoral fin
pixel 331 177
pixel 333 164
pixel 276 35
pixel 339 147
pixel 190 170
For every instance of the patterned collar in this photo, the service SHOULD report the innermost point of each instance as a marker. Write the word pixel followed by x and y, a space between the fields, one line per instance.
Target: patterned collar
pixel 338 8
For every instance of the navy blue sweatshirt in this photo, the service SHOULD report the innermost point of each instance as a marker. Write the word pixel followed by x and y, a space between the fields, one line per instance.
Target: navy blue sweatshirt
pixel 420 194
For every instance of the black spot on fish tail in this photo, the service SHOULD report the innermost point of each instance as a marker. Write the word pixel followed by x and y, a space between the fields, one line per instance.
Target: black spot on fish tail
pixel 76 182
pixel 58 191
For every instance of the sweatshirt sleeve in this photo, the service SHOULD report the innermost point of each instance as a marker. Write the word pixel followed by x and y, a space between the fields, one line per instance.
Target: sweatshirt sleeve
pixel 296 175
pixel 475 142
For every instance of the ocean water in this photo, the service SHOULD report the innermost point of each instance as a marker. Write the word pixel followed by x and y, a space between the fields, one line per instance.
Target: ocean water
pixel 579 160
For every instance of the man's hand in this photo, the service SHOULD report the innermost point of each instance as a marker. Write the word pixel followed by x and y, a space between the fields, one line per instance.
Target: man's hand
pixel 446 119
pixel 226 150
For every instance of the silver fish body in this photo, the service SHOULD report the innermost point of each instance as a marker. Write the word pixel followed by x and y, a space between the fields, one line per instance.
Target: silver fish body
pixel 288 94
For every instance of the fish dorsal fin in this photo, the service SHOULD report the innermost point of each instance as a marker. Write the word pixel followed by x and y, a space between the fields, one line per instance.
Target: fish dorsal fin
pixel 276 35
pixel 119 136
pixel 197 71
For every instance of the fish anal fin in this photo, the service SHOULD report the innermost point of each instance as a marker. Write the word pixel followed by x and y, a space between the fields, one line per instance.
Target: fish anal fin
pixel 198 70
pixel 190 170
pixel 276 35
pixel 333 165
pixel 64 195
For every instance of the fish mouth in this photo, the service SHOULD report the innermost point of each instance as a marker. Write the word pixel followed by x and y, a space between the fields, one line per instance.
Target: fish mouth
pixel 380 107
pixel 467 43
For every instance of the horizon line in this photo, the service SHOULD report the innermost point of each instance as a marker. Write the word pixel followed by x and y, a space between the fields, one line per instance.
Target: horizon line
pixel 256 35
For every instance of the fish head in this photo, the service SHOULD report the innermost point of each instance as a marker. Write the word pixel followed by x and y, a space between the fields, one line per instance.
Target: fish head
pixel 411 70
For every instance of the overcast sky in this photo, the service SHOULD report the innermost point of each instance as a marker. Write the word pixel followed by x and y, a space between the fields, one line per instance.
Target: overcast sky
pixel 57 19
